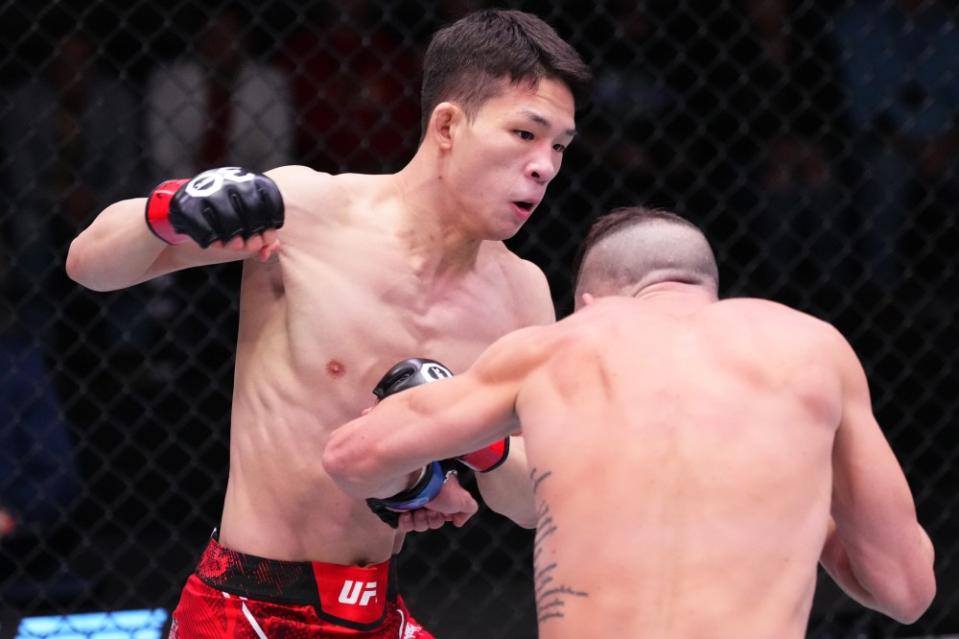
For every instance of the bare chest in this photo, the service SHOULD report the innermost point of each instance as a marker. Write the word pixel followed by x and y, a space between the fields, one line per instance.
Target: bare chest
pixel 352 315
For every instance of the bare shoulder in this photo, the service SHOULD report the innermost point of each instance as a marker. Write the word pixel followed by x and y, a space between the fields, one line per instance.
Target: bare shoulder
pixel 782 324
pixel 769 311
pixel 320 195
pixel 517 353
pixel 527 283
pixel 297 181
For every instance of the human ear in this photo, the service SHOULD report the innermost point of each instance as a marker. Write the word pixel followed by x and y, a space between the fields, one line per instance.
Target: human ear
pixel 582 301
pixel 443 122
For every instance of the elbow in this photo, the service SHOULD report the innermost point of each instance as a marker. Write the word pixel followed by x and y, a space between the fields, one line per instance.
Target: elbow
pixel 910 595
pixel 529 523
pixel 335 463
pixel 76 268
pixel 519 510
pixel 343 465
pixel 918 599
pixel 522 517
pixel 921 583
pixel 74 265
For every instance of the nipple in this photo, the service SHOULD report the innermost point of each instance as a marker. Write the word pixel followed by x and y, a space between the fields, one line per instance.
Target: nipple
pixel 335 369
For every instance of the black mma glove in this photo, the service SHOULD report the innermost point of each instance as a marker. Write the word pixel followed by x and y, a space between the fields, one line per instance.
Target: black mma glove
pixel 425 489
pixel 219 204
pixel 413 372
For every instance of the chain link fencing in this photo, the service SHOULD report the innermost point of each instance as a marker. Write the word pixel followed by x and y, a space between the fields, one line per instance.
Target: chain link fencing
pixel 815 141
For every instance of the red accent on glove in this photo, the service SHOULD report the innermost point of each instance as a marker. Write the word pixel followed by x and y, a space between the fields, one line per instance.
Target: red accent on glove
pixel 488 458
pixel 158 212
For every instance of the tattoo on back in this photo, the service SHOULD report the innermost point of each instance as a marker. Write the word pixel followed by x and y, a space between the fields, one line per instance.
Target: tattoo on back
pixel 550 596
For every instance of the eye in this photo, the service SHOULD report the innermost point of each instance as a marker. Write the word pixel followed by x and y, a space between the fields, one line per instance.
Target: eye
pixel 524 135
pixel 559 148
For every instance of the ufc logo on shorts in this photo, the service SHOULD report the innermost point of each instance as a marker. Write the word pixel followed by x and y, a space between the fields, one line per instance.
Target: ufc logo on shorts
pixel 350 594
pixel 209 182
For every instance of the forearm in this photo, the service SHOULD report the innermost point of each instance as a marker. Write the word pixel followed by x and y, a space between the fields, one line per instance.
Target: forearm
pixel 116 250
pixel 508 490
pixel 835 561
pixel 364 462
pixel 902 594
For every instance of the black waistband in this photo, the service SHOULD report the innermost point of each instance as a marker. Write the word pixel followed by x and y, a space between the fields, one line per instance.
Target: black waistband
pixel 285 582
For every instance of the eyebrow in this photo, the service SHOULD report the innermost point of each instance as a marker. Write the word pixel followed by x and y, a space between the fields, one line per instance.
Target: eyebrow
pixel 539 119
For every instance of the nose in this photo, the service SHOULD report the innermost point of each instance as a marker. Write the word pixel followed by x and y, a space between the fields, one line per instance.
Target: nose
pixel 544 166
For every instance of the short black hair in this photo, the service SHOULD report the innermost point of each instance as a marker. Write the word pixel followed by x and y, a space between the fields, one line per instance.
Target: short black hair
pixel 468 60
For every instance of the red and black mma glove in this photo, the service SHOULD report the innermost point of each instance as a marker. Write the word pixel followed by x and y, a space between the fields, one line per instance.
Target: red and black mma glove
pixel 407 374
pixel 216 205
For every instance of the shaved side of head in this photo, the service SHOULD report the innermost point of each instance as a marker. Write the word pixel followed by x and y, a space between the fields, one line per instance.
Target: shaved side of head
pixel 635 247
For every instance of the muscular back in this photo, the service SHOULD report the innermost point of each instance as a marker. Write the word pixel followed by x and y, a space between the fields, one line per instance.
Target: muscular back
pixel 345 300
pixel 682 461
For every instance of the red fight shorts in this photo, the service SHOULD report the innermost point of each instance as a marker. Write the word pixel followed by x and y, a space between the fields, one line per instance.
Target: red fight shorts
pixel 245 597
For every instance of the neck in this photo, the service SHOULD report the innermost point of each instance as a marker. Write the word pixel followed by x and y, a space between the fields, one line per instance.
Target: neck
pixel 431 223
pixel 680 295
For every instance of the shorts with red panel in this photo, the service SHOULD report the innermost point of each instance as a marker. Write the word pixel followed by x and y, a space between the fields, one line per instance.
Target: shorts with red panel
pixel 245 597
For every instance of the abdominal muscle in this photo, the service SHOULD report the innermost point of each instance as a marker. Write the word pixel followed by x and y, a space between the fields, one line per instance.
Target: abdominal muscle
pixel 280 503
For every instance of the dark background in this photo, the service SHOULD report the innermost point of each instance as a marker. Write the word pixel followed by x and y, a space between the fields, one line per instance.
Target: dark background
pixel 815 142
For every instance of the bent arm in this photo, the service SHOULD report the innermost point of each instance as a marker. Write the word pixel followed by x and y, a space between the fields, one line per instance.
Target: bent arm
pixel 878 553
pixel 118 250
pixel 837 564
pixel 115 251
pixel 373 455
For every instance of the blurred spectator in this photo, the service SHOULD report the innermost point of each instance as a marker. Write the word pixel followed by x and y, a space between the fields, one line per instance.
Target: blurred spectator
pixel 899 70
pixel 217 106
pixel 39 481
pixel 354 82
pixel 69 137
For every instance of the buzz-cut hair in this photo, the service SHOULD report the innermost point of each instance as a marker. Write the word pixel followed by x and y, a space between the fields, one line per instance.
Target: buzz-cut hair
pixel 675 258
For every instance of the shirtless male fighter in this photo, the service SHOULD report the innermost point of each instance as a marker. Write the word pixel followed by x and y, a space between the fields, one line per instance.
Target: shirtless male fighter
pixel 342 276
pixel 735 439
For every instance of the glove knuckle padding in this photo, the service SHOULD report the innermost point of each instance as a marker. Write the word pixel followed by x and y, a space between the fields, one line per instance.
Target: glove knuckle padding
pixel 212 228
pixel 241 217
pixel 409 373
pixel 219 205
pixel 270 201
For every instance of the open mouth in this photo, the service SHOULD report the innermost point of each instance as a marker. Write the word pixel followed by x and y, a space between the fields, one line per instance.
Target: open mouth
pixel 524 206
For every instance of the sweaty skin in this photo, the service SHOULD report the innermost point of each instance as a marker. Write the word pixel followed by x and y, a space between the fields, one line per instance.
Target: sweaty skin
pixel 366 271
pixel 688 457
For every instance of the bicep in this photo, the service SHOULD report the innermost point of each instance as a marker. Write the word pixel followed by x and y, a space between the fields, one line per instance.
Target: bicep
pixel 889 555
pixel 870 491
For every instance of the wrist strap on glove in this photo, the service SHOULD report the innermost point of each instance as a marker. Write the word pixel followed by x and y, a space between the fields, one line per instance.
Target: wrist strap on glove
pixel 158 212
pixel 428 486
pixel 487 458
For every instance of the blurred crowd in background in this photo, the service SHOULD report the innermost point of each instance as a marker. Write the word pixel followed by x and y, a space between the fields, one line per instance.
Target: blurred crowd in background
pixel 817 142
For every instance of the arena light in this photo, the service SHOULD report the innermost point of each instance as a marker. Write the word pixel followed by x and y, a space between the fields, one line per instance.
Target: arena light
pixel 120 624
